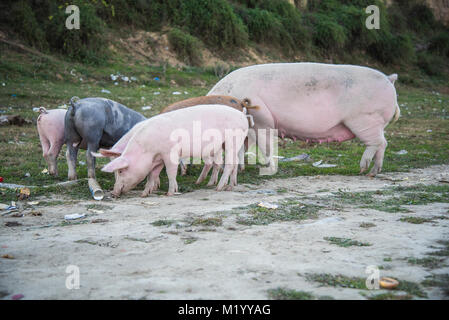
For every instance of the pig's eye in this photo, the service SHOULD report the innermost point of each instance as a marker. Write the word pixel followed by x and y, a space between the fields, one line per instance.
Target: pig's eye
pixel 120 171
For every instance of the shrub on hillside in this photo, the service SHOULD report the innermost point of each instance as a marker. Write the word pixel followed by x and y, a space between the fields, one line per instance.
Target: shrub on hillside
pixel 391 48
pixel 327 33
pixel 187 47
pixel 439 44
pixel 431 65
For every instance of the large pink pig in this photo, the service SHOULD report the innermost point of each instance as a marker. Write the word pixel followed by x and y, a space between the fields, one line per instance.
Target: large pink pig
pixel 198 132
pixel 318 102
pixel 50 125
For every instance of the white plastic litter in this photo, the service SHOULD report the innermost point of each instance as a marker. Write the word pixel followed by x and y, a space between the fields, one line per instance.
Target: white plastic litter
pixel 176 92
pixel 156 93
pixel 74 216
pixel 320 164
pixel 105 91
pixel 268 205
pixel 402 152
pixel 146 108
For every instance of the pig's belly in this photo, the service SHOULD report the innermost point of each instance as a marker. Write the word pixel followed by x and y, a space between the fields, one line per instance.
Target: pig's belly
pixel 322 124
pixel 337 133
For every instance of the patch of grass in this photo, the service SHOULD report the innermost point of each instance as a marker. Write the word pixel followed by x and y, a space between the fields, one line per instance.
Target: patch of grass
pixel 415 220
pixel 367 225
pixel 388 259
pixel 342 281
pixel 345 242
pixel 392 199
pixel 411 288
pixel 207 222
pixel 289 294
pixel 428 262
pixel 97 206
pixel 288 210
pixel 437 280
pixel 443 252
pixel 189 240
pixel 160 223
pixel 390 296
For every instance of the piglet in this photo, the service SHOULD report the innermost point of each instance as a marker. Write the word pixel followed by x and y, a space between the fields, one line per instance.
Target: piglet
pixel 50 126
pixel 199 132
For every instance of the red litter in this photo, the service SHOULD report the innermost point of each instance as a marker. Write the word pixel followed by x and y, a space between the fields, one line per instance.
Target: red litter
pixel 1 179
pixel 17 296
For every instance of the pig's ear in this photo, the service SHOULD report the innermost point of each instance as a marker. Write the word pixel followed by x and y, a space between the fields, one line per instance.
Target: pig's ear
pixel 103 153
pixel 116 164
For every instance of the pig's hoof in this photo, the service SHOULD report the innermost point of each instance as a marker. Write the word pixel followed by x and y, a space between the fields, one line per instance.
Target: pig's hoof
pixel 144 194
pixel 229 188
pixel 170 194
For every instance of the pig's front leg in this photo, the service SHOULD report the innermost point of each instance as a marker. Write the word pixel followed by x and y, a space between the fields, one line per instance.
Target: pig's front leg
pixel 153 181
pixel 71 155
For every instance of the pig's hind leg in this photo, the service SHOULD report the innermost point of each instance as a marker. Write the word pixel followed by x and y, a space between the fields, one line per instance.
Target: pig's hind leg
pixel 370 130
pixel 71 155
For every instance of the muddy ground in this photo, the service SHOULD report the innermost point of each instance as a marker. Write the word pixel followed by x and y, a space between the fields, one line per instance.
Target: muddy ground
pixel 200 245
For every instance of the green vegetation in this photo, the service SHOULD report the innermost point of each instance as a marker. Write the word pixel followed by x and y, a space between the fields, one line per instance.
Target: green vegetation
pixel 288 210
pixel 392 199
pixel 342 281
pixel 428 262
pixel 323 28
pixel 289 294
pixel 160 223
pixel 186 46
pixel 345 242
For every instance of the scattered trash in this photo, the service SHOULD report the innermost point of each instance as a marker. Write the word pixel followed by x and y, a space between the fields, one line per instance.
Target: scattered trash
pixel 62 106
pixel 95 211
pixel 115 83
pixel 45 171
pixel 1 179
pixel 444 178
pixel 14 120
pixel 17 296
pixel 133 79
pixel 24 193
pixel 263 191
pixel 3 84
pixel 185 92
pixel 146 108
pixel 429 131
pixel 268 205
pixel 149 203
pixel 156 79
pixel 113 77
pixel 82 163
pixel 402 152
pixel 156 93
pixel 35 109
pixel 27 175
pixel 388 283
pixel 7 256
pixel 301 157
pixel 105 91
pixel 176 92
pixel 3 206
pixel 74 216
pixel 95 189
pixel 320 164
pixel 33 203
pixel 99 221
pixel 12 224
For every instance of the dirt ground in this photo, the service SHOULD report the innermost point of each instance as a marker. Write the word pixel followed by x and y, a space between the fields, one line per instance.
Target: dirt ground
pixel 122 255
